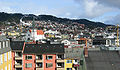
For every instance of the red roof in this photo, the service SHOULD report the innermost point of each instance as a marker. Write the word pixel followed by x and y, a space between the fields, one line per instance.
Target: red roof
pixel 40 32
pixel 30 31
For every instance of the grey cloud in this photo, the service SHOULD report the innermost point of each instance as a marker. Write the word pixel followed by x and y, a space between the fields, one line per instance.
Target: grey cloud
pixel 92 8
pixel 113 19
pixel 114 3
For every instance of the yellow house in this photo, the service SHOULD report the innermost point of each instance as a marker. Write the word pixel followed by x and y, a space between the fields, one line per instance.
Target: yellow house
pixel 13 33
pixel 72 58
pixel 6 61
pixel 5 54
pixel 68 64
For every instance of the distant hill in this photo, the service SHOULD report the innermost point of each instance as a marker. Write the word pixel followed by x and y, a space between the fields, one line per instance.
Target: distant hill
pixel 15 17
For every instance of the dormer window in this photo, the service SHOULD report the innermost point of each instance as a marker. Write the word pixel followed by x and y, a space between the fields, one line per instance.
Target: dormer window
pixel 3 44
pixel 0 45
pixel 6 43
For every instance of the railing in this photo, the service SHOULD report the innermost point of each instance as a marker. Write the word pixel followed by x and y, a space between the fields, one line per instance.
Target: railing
pixel 37 60
pixel 18 58
pixel 37 68
pixel 59 60
pixel 18 65
pixel 60 68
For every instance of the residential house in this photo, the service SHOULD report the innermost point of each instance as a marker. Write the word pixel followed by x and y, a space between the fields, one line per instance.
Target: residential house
pixel 35 35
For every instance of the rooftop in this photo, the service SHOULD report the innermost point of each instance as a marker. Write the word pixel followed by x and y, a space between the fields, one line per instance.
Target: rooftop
pixel 103 60
pixel 43 48
pixel 16 45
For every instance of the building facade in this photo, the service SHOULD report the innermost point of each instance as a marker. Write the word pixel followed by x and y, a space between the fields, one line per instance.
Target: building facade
pixel 43 57
pixel 17 57
pixel 5 54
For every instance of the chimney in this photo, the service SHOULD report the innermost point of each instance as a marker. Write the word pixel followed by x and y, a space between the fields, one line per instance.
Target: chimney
pixel 48 42
pixel 10 39
pixel 36 41
pixel 86 52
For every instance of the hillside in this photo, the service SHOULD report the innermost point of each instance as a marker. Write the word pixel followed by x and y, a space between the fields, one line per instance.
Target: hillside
pixel 16 16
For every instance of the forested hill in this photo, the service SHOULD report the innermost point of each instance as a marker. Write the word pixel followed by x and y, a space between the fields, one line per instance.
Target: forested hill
pixel 15 17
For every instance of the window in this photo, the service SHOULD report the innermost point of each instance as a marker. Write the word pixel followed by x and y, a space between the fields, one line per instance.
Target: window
pixel 39 65
pixel 6 68
pixel 39 57
pixel 48 57
pixel 69 68
pixel 28 57
pixel 60 64
pixel 6 43
pixel 0 45
pixel 81 42
pixel 59 56
pixel 76 60
pixel 48 65
pixel 8 55
pixel 1 59
pixel 3 44
pixel 9 67
pixel 28 65
pixel 5 57
pixel 69 61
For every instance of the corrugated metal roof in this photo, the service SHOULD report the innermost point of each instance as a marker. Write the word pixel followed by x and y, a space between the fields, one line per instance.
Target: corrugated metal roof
pixel 103 60
pixel 73 53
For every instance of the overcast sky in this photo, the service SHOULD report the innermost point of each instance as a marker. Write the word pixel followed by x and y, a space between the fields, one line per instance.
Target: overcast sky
pixel 107 11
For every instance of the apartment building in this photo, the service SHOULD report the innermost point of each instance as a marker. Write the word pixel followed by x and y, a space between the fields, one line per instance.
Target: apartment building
pixel 5 54
pixel 43 56
pixel 16 50
pixel 72 58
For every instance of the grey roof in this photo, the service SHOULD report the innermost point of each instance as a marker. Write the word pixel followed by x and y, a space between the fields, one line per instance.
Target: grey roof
pixel 43 48
pixel 16 45
pixel 3 38
pixel 73 53
pixel 103 60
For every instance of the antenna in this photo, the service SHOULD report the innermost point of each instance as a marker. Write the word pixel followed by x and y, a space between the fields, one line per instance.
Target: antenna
pixel 33 25
pixel 117 35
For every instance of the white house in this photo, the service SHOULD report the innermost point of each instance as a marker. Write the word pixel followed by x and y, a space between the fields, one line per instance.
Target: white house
pixel 35 35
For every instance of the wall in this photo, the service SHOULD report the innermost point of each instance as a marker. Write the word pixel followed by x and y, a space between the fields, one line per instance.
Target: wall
pixel 49 61
pixel 68 65
pixel 7 63
pixel 13 60
pixel 29 61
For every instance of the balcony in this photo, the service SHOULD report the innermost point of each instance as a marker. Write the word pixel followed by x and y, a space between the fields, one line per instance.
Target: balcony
pixel 60 68
pixel 18 66
pixel 59 60
pixel 39 68
pixel 18 55
pixel 60 56
pixel 38 61
pixel 18 58
pixel 75 65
